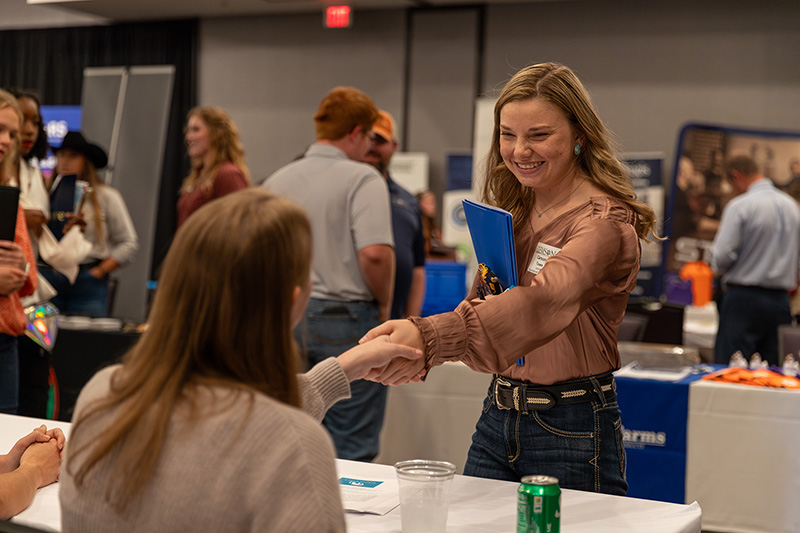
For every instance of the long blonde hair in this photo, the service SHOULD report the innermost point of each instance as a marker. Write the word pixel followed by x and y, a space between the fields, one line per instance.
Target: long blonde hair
pixel 558 85
pixel 221 316
pixel 90 176
pixel 8 164
pixel 224 144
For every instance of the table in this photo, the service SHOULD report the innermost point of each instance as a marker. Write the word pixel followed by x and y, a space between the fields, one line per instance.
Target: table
pixel 494 501
pixel 442 411
pixel 654 435
pixel 742 457
pixel 45 510
pixel 78 354
pixel 700 329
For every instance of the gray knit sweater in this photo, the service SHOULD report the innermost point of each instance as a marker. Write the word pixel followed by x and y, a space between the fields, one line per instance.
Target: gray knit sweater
pixel 261 467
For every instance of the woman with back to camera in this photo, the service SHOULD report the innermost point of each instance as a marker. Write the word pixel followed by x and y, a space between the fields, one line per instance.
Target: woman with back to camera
pixel 198 429
pixel 213 144
pixel 106 224
pixel 577 226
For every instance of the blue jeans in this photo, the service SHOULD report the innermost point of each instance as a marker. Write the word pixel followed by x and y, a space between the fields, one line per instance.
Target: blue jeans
pixel 748 321
pixel 580 444
pixel 88 296
pixel 9 374
pixel 330 328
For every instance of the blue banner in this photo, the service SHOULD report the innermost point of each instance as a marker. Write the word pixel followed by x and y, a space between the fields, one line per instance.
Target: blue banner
pixel 645 171
pixel 58 120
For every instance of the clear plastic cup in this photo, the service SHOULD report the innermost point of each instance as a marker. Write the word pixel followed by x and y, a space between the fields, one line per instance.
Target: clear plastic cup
pixel 424 494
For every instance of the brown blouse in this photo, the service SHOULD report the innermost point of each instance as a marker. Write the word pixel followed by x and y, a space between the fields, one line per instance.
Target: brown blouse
pixel 564 316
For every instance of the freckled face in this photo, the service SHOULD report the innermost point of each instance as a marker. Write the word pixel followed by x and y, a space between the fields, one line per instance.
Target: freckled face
pixel 537 143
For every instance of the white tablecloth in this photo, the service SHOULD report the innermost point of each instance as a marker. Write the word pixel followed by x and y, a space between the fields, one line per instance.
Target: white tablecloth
pixel 477 505
pixel 742 457
pixel 45 510
pixel 485 505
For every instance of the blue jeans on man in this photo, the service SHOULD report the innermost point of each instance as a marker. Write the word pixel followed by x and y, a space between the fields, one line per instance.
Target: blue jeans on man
pixel 330 328
pixel 748 322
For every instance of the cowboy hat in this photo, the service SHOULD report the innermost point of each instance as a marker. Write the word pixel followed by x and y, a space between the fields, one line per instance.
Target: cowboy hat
pixel 74 141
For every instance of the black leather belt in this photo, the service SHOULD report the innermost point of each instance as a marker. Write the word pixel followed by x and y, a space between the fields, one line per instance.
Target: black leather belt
pixel 520 396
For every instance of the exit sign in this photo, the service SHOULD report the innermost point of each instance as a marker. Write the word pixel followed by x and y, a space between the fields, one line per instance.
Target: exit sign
pixel 338 17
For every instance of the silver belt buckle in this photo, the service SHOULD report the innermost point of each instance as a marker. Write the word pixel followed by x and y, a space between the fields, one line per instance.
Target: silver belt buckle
pixel 498 381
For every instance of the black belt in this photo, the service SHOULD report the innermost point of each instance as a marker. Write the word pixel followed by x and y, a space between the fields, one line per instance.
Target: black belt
pixel 520 396
pixel 756 287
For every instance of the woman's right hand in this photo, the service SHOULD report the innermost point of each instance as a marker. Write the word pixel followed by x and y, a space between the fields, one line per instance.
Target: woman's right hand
pixel 373 357
pixel 399 371
pixel 11 254
pixel 11 279
pixel 75 220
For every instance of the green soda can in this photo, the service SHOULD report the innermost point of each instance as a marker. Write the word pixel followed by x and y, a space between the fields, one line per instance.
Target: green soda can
pixel 539 505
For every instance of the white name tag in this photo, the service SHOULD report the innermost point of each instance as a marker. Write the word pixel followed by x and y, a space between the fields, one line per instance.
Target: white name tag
pixel 542 253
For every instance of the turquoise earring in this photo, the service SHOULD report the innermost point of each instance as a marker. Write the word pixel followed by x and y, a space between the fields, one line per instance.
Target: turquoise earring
pixel 577 148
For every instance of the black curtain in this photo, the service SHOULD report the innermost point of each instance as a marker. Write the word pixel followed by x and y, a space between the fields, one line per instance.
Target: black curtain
pixel 51 62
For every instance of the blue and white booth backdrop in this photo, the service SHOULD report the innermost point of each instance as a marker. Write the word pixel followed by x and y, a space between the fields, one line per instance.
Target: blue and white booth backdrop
pixel 699 191
pixel 645 170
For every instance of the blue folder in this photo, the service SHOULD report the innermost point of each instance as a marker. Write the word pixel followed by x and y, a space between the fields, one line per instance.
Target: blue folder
pixel 62 202
pixel 492 232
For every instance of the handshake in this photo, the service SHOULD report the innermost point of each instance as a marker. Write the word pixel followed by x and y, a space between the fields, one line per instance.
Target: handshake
pixel 390 354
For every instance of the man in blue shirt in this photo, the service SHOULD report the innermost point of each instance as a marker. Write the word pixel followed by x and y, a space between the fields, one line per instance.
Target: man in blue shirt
pixel 756 251
pixel 409 241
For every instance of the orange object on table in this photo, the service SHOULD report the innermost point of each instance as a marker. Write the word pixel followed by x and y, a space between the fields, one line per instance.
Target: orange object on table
pixel 702 278
pixel 758 378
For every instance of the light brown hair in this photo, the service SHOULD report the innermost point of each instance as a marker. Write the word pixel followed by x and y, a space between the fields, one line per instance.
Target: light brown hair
pixel 558 85
pixel 224 144
pixel 342 109
pixel 221 317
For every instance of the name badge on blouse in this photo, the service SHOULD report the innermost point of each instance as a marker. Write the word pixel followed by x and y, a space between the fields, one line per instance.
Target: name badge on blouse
pixel 542 253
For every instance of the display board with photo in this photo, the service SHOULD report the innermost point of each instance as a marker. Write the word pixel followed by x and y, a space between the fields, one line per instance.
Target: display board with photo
pixel 699 189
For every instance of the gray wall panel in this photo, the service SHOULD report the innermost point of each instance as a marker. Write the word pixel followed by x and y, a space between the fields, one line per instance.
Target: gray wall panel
pixel 442 86
pixel 136 153
pixel 270 74
pixel 650 68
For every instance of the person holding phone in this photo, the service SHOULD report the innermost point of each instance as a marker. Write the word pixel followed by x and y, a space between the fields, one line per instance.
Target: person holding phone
pixel 17 266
